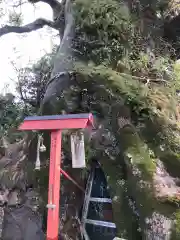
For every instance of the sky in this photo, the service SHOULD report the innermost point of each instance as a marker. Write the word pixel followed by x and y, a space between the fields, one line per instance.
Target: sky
pixel 24 49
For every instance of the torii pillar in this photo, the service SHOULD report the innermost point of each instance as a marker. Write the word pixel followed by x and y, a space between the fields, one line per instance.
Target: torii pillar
pixel 55 123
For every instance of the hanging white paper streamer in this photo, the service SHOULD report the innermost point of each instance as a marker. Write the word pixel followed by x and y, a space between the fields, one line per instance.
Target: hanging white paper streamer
pixel 38 162
pixel 77 150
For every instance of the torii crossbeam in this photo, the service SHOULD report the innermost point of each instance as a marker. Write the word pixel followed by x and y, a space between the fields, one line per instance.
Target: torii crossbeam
pixel 55 124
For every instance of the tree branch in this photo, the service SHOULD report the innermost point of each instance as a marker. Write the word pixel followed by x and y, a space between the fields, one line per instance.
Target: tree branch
pixel 18 4
pixel 57 6
pixel 52 3
pixel 37 24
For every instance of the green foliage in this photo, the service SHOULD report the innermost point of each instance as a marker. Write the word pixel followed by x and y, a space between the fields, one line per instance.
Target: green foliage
pixel 103 29
pixel 11 114
pixel 176 230
pixel 33 80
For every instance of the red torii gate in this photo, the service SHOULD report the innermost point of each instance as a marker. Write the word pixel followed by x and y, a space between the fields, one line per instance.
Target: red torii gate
pixel 56 123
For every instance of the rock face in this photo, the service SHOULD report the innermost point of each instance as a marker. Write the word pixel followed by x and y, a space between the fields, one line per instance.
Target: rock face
pixel 20 218
pixel 165 185
pixel 24 224
pixel 19 206
pixel 158 227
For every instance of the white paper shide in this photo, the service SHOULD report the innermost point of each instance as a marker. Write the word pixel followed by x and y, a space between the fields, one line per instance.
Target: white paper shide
pixel 77 150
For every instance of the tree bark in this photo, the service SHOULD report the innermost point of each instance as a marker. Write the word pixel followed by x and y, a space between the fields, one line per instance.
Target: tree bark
pixel 63 63
pixel 37 24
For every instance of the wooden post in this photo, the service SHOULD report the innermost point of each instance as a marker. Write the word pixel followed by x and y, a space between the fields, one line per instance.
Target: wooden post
pixel 54 186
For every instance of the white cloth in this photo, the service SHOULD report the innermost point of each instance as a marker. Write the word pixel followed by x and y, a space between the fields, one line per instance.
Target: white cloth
pixel 77 150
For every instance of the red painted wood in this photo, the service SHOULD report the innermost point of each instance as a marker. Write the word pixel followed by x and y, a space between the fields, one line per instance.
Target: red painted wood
pixel 71 179
pixel 56 238
pixel 90 120
pixel 54 124
pixel 54 186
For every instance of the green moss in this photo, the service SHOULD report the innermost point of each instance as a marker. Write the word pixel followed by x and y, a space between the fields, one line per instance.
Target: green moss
pixel 137 151
pixel 114 172
pixel 176 229
pixel 174 201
